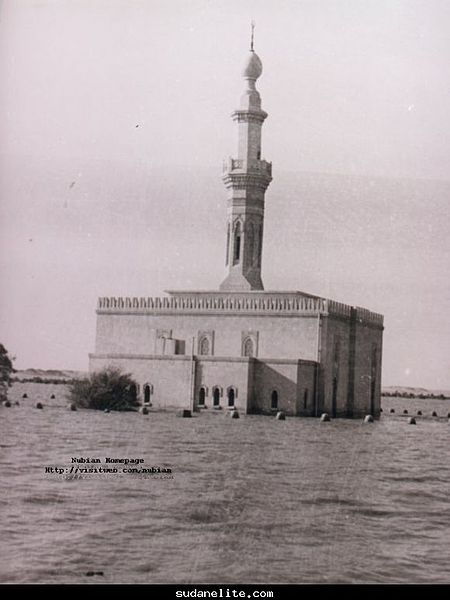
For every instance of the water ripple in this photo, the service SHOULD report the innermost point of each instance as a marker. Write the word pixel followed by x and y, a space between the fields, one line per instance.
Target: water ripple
pixel 344 503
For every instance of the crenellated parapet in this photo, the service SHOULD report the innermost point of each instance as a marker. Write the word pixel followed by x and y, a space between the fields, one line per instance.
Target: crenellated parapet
pixel 361 315
pixel 365 317
pixel 214 303
pixel 282 304
pixel 338 309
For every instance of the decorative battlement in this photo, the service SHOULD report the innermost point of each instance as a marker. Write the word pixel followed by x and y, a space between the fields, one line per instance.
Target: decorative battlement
pixel 289 304
pixel 338 309
pixel 362 315
pixel 365 316
pixel 214 303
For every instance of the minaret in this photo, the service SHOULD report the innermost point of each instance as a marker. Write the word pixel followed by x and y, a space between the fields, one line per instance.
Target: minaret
pixel 246 178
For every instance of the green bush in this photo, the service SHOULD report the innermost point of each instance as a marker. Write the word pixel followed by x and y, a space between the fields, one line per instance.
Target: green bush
pixel 107 389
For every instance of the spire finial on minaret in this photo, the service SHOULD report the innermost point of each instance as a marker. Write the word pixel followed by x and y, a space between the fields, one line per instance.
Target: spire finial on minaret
pixel 253 36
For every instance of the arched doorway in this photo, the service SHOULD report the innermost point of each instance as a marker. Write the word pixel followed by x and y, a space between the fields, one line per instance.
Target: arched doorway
pixel 201 396
pixel 231 396
pixel 274 400
pixel 216 396
pixel 147 393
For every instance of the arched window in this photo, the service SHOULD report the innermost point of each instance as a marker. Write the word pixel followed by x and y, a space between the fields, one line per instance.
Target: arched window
pixel 228 244
pixel 237 244
pixel 255 248
pixel 204 346
pixel 251 244
pixel 147 394
pixel 133 392
pixel 248 347
pixel 260 238
pixel 216 396
pixel 231 396
pixel 305 399
pixel 274 400
pixel 201 396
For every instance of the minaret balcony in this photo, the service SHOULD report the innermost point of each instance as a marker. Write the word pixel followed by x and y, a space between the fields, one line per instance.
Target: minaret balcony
pixel 232 164
pixel 238 175
pixel 260 166
pixel 255 115
pixel 257 167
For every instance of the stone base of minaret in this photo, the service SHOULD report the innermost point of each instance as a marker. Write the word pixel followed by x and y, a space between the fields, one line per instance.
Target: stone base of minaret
pixel 236 281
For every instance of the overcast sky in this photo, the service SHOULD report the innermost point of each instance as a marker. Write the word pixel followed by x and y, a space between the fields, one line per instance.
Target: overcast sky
pixel 115 120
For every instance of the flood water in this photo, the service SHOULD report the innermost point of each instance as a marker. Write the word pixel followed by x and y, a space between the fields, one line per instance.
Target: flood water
pixel 252 500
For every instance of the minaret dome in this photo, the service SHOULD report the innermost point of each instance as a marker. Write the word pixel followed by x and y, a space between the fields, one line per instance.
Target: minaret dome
pixel 252 67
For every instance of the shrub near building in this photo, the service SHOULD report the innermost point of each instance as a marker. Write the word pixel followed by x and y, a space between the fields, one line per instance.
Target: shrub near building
pixel 107 389
pixel 6 370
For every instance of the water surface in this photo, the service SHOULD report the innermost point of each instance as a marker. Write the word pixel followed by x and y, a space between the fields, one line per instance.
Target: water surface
pixel 252 500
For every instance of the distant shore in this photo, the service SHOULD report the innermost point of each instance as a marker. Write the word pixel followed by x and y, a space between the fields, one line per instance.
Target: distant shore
pixel 66 376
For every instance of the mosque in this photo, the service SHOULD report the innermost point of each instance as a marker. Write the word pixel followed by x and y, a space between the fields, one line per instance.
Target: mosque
pixel 241 346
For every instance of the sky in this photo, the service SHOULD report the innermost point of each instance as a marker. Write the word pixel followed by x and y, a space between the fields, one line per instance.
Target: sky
pixel 115 121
